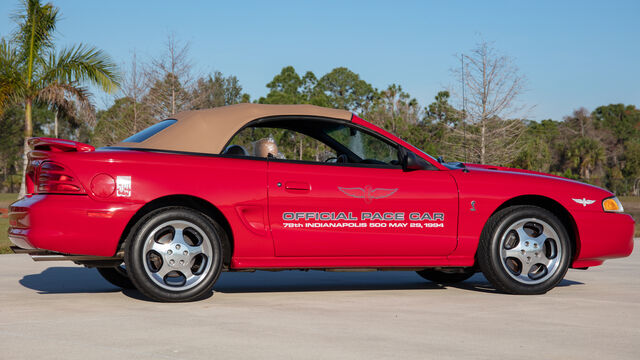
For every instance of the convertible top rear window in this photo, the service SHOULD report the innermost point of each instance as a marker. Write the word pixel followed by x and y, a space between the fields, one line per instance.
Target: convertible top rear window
pixel 150 131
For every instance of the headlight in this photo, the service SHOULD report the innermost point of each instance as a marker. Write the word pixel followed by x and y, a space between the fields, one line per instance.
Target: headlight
pixel 612 204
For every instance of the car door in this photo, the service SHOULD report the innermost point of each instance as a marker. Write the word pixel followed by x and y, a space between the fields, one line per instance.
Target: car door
pixel 328 210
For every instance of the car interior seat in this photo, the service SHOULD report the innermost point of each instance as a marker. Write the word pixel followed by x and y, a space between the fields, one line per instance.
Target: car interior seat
pixel 265 147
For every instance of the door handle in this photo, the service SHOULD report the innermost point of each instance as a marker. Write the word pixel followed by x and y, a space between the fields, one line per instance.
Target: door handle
pixel 295 185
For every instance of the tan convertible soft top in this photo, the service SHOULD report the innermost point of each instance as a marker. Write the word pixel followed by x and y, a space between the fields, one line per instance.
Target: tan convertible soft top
pixel 207 131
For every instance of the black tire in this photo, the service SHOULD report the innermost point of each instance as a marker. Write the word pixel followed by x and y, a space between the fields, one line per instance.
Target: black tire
pixel 116 276
pixel 142 263
pixel 446 277
pixel 501 270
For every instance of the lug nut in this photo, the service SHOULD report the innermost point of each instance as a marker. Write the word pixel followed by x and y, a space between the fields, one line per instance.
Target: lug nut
pixel 169 252
pixel 185 252
pixel 535 245
pixel 178 247
pixel 171 262
pixel 526 243
pixel 181 262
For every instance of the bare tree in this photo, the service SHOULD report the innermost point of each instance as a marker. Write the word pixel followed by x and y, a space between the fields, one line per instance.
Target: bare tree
pixel 493 85
pixel 133 87
pixel 169 79
pixel 129 112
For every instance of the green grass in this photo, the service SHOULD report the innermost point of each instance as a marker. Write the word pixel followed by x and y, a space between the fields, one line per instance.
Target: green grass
pixel 4 240
pixel 632 206
pixel 5 200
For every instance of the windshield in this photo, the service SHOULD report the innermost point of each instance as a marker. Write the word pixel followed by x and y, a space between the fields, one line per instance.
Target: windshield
pixel 422 152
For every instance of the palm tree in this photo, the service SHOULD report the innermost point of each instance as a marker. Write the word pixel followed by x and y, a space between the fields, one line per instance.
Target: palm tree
pixel 585 155
pixel 31 71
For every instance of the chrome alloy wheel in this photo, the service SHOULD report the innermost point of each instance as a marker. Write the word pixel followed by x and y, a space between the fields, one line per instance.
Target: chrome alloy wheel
pixel 530 251
pixel 177 255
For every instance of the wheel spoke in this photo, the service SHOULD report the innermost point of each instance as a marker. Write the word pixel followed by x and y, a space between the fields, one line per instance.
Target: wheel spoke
pixel 549 233
pixel 542 259
pixel 160 248
pixel 184 245
pixel 163 271
pixel 192 278
pixel 540 240
pixel 526 267
pixel 178 236
pixel 513 253
pixel 186 271
pixel 194 251
pixel 522 234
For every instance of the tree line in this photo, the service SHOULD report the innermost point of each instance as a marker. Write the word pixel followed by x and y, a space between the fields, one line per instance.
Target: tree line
pixel 482 120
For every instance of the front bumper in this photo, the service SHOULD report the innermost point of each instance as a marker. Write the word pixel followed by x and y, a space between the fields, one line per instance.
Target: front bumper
pixel 603 236
pixel 69 224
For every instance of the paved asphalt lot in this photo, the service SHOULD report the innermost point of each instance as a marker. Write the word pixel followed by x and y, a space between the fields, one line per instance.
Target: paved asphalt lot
pixel 58 310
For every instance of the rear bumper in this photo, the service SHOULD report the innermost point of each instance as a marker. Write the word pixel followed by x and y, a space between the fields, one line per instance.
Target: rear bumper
pixel 69 224
pixel 603 236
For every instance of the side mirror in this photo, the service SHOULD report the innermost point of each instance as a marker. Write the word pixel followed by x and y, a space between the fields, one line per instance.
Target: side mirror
pixel 412 162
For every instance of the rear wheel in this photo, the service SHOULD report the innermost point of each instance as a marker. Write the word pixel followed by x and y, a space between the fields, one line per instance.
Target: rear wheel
pixel 524 250
pixel 447 276
pixel 175 255
pixel 117 276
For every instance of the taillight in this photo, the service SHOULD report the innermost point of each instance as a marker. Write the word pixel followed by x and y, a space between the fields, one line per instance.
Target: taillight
pixel 30 178
pixel 54 178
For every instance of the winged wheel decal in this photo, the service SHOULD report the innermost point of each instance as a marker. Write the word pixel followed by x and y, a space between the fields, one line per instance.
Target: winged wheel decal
pixel 368 193
pixel 583 201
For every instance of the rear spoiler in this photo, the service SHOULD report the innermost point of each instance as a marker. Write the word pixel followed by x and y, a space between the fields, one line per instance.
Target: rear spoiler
pixel 58 145
pixel 41 145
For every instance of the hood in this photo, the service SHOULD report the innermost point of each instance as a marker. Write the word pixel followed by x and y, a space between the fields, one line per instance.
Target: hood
pixel 513 170
pixel 532 175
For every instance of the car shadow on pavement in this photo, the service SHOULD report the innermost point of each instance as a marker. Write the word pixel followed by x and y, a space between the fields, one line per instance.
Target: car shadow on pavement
pixel 294 281
pixel 65 280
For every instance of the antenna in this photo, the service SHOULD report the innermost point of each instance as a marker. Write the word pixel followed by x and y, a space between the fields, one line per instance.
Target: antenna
pixel 464 109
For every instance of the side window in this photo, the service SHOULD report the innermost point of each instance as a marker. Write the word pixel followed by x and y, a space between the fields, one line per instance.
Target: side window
pixel 315 141
pixel 279 143
pixel 370 149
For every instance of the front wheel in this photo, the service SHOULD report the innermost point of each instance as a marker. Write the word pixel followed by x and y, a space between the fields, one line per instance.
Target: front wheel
pixel 524 250
pixel 174 255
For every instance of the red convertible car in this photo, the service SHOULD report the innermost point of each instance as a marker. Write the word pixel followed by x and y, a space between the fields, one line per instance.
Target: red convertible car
pixel 275 187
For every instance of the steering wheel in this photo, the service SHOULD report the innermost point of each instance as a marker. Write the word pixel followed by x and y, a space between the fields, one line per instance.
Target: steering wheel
pixel 342 159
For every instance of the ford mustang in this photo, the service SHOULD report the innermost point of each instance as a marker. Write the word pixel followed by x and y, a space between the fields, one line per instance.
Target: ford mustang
pixel 276 187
